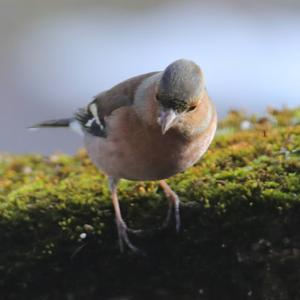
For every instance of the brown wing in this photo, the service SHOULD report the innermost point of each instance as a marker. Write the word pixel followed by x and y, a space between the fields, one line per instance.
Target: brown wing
pixel 91 118
pixel 120 95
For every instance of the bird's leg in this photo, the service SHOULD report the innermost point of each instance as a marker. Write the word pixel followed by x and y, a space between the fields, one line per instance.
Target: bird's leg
pixel 121 225
pixel 173 203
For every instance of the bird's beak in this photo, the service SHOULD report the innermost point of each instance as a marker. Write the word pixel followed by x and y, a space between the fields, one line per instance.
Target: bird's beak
pixel 166 119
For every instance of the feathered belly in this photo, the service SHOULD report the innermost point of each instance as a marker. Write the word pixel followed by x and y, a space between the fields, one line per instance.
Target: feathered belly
pixel 146 155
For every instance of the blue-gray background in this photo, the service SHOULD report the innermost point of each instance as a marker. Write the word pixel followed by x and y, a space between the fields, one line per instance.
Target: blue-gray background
pixel 55 55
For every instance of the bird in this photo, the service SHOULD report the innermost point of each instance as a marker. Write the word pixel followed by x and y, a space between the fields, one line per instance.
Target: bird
pixel 147 128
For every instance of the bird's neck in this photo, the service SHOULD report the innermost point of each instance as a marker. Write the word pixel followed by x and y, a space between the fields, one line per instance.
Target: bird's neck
pixel 145 103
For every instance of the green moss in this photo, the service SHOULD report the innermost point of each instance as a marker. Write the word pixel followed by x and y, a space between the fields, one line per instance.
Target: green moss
pixel 240 214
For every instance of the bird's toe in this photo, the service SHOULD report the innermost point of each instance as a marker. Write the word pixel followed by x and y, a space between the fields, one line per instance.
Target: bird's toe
pixel 124 238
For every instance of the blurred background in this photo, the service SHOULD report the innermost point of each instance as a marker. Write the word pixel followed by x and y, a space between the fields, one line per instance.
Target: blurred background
pixel 55 55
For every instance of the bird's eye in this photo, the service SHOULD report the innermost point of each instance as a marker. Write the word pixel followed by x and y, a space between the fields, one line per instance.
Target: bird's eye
pixel 192 107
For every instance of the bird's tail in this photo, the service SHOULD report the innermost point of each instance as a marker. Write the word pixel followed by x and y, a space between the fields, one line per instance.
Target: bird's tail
pixel 53 123
pixel 67 122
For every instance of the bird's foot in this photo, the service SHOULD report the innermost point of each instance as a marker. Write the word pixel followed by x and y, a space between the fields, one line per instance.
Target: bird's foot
pixel 124 239
pixel 173 205
pixel 134 231
pixel 177 213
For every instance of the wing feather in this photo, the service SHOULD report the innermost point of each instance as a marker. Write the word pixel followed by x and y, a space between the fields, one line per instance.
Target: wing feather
pixel 92 118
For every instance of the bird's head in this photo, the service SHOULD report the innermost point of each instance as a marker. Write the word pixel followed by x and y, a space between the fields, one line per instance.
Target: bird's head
pixel 179 92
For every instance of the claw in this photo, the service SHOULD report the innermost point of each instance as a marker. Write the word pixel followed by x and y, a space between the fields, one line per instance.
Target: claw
pixel 124 239
pixel 121 225
pixel 177 214
pixel 173 204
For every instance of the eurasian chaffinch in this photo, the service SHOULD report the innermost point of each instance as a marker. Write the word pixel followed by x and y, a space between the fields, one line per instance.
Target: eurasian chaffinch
pixel 149 127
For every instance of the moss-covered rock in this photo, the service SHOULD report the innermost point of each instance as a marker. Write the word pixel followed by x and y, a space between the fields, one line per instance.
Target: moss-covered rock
pixel 240 214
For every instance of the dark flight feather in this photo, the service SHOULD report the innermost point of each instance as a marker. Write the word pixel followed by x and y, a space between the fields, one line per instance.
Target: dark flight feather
pixel 89 123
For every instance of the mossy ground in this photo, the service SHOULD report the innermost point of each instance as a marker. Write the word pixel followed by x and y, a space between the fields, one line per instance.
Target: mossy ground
pixel 240 214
